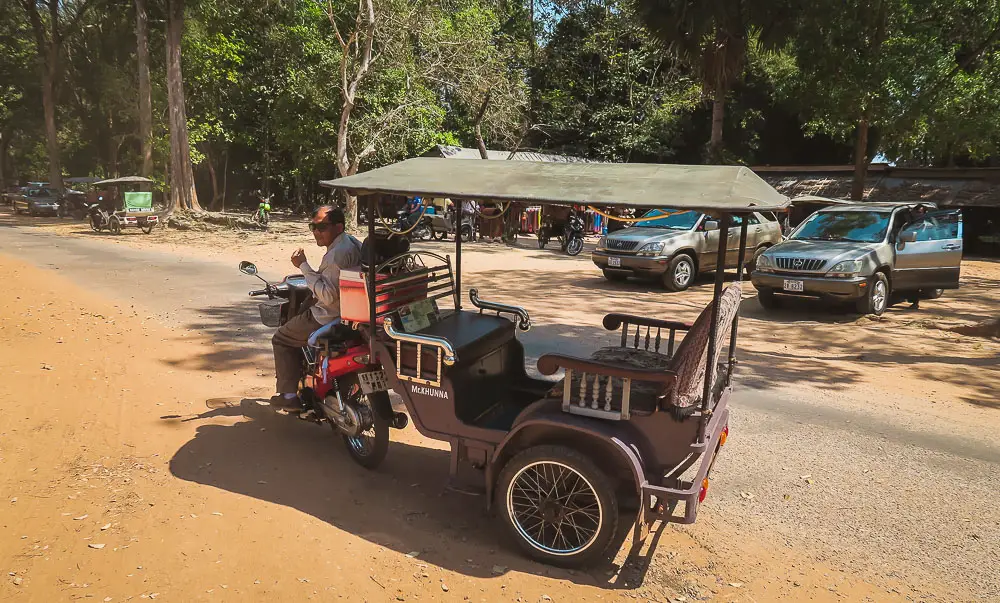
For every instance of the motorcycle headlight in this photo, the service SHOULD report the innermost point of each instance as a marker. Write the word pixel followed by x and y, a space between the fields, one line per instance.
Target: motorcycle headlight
pixel 650 249
pixel 847 267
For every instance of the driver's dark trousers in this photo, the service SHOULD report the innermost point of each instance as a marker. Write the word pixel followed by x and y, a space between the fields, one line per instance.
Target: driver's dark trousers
pixel 288 342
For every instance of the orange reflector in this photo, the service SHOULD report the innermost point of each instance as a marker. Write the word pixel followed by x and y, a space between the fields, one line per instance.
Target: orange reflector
pixel 704 490
pixel 724 436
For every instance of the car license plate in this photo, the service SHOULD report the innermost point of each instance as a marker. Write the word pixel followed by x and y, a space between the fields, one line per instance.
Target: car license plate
pixel 614 262
pixel 794 285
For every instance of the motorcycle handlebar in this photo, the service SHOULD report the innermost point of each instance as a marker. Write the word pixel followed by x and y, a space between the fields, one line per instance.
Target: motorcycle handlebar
pixel 258 292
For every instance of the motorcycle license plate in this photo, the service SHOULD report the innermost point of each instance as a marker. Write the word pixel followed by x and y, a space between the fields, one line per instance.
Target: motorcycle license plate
pixel 793 285
pixel 614 262
pixel 373 382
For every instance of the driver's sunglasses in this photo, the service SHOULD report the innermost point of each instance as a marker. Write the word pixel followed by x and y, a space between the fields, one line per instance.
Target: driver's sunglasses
pixel 313 226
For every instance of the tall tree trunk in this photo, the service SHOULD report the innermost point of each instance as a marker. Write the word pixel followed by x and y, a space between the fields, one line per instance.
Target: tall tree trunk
pixel 145 94
pixel 4 143
pixel 214 177
pixel 718 119
pixel 476 127
pixel 182 192
pixel 49 109
pixel 860 159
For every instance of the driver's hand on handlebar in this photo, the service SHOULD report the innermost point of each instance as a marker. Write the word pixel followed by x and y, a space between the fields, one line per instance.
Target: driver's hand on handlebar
pixel 298 258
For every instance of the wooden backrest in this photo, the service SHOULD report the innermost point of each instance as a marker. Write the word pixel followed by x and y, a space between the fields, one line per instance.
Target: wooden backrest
pixel 691 361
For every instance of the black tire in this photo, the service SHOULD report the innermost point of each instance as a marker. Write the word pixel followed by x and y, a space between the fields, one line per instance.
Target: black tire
pixel 468 234
pixel 767 299
pixel 543 238
pixel 115 226
pixel 94 225
pixel 422 232
pixel 438 235
pixel 518 483
pixel 876 299
pixel 615 277
pixel 370 452
pixel 931 293
pixel 680 274
pixel 574 246
pixel 146 228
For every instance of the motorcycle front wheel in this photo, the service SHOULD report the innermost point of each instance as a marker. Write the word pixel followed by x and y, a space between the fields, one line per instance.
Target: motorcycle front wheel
pixel 574 246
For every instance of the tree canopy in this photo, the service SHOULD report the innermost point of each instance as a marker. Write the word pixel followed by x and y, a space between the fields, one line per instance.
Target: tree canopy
pixel 280 94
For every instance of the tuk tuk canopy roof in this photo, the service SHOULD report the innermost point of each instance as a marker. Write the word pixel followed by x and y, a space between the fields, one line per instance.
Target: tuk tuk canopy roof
pixel 648 186
pixel 124 180
pixel 816 200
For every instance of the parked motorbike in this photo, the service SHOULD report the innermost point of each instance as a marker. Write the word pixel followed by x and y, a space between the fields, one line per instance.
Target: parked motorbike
pixel 421 232
pixel 342 386
pixel 73 204
pixel 443 225
pixel 263 214
pixel 100 219
pixel 570 235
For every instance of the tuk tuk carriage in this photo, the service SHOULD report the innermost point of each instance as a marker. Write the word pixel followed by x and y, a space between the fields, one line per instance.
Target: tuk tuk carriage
pixel 117 209
pixel 629 433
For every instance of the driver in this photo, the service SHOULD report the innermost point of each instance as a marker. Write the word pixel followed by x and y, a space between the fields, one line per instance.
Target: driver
pixel 342 251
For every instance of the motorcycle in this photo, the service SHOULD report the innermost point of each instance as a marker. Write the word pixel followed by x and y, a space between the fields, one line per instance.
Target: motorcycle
pixel 570 237
pixel 263 214
pixel 423 231
pixel 341 386
pixel 98 218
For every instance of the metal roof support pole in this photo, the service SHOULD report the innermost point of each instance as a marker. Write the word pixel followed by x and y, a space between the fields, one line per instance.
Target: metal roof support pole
pixel 736 318
pixel 458 253
pixel 720 278
pixel 372 200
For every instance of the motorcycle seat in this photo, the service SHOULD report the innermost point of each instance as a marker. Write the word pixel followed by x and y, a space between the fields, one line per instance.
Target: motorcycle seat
pixel 333 330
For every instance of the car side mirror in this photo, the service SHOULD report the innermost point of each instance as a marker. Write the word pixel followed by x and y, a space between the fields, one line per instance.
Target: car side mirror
pixel 908 237
pixel 711 225
pixel 248 268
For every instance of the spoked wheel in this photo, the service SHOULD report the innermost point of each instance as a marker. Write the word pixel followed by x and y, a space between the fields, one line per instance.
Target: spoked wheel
pixel 115 226
pixel 94 224
pixel 574 246
pixel 467 233
pixel 423 232
pixel 557 505
pixel 369 447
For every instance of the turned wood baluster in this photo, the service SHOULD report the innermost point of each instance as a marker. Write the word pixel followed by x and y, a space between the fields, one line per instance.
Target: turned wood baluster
pixel 597 391
pixel 607 394
pixel 636 344
pixel 583 389
pixel 647 338
pixel 657 349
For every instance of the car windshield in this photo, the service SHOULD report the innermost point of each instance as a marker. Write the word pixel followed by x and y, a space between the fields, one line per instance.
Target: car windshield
pixel 672 219
pixel 853 226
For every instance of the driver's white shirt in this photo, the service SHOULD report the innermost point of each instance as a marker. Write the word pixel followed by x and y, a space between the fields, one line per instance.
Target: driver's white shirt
pixel 344 252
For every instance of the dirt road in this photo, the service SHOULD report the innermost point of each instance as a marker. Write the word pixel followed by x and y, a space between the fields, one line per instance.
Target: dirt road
pixel 861 463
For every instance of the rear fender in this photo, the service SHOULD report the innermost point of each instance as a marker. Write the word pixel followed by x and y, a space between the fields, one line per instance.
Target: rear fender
pixel 607 447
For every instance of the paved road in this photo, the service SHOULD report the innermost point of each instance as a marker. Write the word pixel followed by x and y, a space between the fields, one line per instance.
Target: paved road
pixel 884 486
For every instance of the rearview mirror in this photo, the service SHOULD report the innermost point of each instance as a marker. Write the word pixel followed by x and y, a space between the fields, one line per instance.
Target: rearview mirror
pixel 248 268
pixel 711 225
pixel 908 237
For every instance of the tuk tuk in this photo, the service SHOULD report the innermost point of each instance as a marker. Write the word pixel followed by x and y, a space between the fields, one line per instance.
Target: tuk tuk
pixel 628 434
pixel 117 208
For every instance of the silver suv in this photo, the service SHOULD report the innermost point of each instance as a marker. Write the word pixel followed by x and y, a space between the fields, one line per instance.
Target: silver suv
pixel 673 246
pixel 871 254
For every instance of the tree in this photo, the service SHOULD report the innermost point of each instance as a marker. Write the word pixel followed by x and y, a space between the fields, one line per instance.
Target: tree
pixel 880 67
pixel 607 92
pixel 57 20
pixel 182 191
pixel 714 38
pixel 145 87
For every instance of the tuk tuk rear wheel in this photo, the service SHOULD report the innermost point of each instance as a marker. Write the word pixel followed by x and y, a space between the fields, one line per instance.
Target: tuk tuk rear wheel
pixel 115 226
pixel 557 505
pixel 370 447
pixel 94 225
pixel 146 229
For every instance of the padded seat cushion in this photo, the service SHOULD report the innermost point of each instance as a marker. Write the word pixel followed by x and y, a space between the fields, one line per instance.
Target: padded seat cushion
pixel 472 334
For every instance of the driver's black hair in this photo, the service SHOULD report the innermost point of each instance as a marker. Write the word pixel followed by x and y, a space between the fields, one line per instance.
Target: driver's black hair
pixel 334 216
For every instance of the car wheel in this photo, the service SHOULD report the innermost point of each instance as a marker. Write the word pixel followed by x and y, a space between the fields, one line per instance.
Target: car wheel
pixel 767 299
pixel 876 299
pixel 557 506
pixel 615 277
pixel 680 274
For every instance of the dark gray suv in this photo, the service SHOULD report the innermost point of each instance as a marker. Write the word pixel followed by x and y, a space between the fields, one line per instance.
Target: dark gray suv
pixel 870 254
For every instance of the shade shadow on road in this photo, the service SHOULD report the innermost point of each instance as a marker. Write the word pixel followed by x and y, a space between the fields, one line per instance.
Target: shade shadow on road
pixel 404 505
